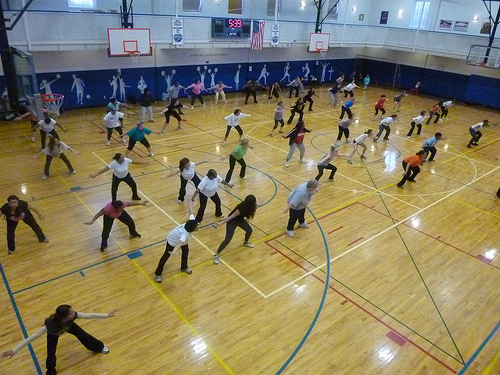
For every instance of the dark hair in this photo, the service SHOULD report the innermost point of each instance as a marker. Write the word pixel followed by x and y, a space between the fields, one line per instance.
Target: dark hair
pixel 299 124
pixel 421 152
pixel 62 312
pixel 190 225
pixel 350 116
pixel 117 156
pixel 52 143
pixel 382 96
pixel 438 134
pixel 47 118
pixel 117 204
pixel 369 131
pixel 114 100
pixel 422 113
pixel 237 110
pixel 12 197
pixel 182 163
pixel 146 91
pixel 249 205
pixel 197 80
pixel 212 173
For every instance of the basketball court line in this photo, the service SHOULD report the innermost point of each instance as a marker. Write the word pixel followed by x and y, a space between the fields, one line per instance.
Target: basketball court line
pixel 162 294
pixel 196 239
pixel 492 364
pixel 378 234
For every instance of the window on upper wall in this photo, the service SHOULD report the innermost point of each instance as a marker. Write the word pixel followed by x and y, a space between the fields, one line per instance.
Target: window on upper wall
pixel 334 6
pixel 83 4
pixel 271 6
pixel 191 5
pixel 421 14
pixel 235 6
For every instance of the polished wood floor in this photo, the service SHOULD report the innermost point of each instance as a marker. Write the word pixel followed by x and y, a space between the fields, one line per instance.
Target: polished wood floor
pixel 385 281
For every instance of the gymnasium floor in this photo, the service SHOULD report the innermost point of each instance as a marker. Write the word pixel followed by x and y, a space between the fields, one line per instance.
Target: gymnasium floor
pixel 385 281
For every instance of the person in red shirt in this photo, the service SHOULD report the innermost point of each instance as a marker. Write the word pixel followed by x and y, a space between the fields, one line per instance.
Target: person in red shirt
pixel 296 140
pixel 435 111
pixel 411 167
pixel 110 212
pixel 379 106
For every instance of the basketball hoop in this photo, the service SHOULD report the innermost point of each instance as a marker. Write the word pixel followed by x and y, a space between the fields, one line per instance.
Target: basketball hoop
pixel 52 103
pixel 322 53
pixel 134 56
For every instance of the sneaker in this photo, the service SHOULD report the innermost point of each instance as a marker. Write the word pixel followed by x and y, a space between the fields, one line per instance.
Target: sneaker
pixel 179 201
pixel 337 145
pixel 304 225
pixel 301 160
pixel 10 251
pixel 225 101
pixel 311 110
pixel 271 134
pixel 151 154
pixel 408 136
pixel 191 107
pixel 349 161
pixel 290 233
pixel 151 120
pixel 386 139
pixel 431 160
pixel 187 270
pixel 216 259
pixel 105 350
pixel 203 105
pixel 286 164
pixel 475 143
pixel 243 178
pixel 375 140
pixel 137 198
pixel 363 157
pixel 280 131
pixel 45 240
pixel 103 249
pixel 400 186
pixel 224 144
pixel 248 244
pixel 331 180
pixel 73 172
pixel 32 139
pixel 411 180
pixel 216 102
pixel 221 216
pixel 347 141
pixel 158 278
pixel 44 177
pixel 469 146
pixel 135 235
pixel 108 143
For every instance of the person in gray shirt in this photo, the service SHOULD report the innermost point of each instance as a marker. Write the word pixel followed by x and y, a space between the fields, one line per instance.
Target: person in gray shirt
pixel 297 201
pixel 174 93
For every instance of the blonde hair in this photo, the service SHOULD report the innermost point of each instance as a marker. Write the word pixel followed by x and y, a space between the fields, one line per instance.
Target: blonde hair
pixel 244 141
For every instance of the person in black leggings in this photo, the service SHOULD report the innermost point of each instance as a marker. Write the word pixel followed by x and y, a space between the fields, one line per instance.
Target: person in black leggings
pixel 171 111
pixel 16 210
pixel 308 98
pixel 238 218
pixel 297 108
pixel 119 165
pixel 187 173
pixel 110 212
pixel 57 324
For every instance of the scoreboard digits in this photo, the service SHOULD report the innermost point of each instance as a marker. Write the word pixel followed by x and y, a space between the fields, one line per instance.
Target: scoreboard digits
pixel 233 28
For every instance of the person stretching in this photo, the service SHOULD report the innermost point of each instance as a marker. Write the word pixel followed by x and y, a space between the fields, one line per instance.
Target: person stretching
pixel 344 130
pixel 324 163
pixel 219 90
pixel 110 212
pixel 233 121
pixel 297 108
pixel 346 108
pixel 238 218
pixel 237 156
pixel 138 134
pixel 63 320
pixel 187 173
pixel 197 87
pixel 278 118
pixel 296 140
pixel 475 132
pixel 429 145
pixel 444 109
pixel 348 89
pixel 434 111
pixel 411 167
pixel 170 110
pixel 47 126
pixel 417 121
pixel 114 120
pixel 379 106
pixel 385 124
pixel 55 149
pixel 297 201
pixel 308 98
pixel 360 141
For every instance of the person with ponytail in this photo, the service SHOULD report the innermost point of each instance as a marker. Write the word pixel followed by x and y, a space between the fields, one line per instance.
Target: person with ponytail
pixel 187 173
pixel 55 149
pixel 63 320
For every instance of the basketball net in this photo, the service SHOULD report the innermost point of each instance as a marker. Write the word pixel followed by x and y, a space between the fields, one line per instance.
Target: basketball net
pixel 134 57
pixel 52 103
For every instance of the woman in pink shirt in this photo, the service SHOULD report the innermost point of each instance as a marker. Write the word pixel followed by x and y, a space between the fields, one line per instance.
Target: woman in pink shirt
pixel 197 87
pixel 219 90
pixel 110 212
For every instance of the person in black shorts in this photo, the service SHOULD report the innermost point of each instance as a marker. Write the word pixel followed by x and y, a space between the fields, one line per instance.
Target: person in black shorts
pixel 171 111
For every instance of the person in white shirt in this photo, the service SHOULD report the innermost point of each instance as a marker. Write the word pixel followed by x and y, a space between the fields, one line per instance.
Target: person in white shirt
pixel 360 141
pixel 119 166
pixel 296 85
pixel 178 238
pixel 47 126
pixel 187 173
pixel 397 100
pixel 444 109
pixel 348 89
pixel 475 132
pixel 55 149
pixel 207 188
pixel 57 324
pixel 385 124
pixel 233 121
pixel 417 121
pixel 113 120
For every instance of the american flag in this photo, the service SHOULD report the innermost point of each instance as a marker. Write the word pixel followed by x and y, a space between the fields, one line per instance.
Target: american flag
pixel 257 34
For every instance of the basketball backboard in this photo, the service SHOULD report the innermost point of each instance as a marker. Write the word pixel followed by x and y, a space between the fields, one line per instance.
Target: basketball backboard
pixel 124 42
pixel 488 57
pixel 318 42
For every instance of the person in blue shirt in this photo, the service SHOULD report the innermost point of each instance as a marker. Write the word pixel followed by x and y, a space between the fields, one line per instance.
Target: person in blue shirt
pixel 429 145
pixel 138 134
pixel 346 108
pixel 366 81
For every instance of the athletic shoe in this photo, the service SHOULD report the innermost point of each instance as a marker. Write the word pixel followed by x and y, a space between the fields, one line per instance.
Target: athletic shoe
pixel 304 225
pixel 408 136
pixel 135 235
pixel 108 143
pixel 248 244
pixel 224 144
pixel 311 110
pixel 280 131
pixel 347 141
pixel 151 154
pixel 137 198
pixel 179 201
pixel 271 134
pixel 337 145
pixel 386 139
pixel 331 180
pixel 216 259
pixel 158 278
pixel 475 143
pixel 290 233
pixel 32 139
pixel 151 120
pixel 243 178
pixel 44 177
pixel 256 102
pixel 203 105
pixel 363 157
pixel 400 186
pixel 301 160
pixel 10 251
pixel 469 146
pixel 216 102
pixel 103 249
pixel 431 160
pixel 349 161
pixel 221 216
pixel 191 107
pixel 286 164
pixel 375 140
pixel 411 180
pixel 187 270
pixel 124 141
pixel 225 101
pixel 105 350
